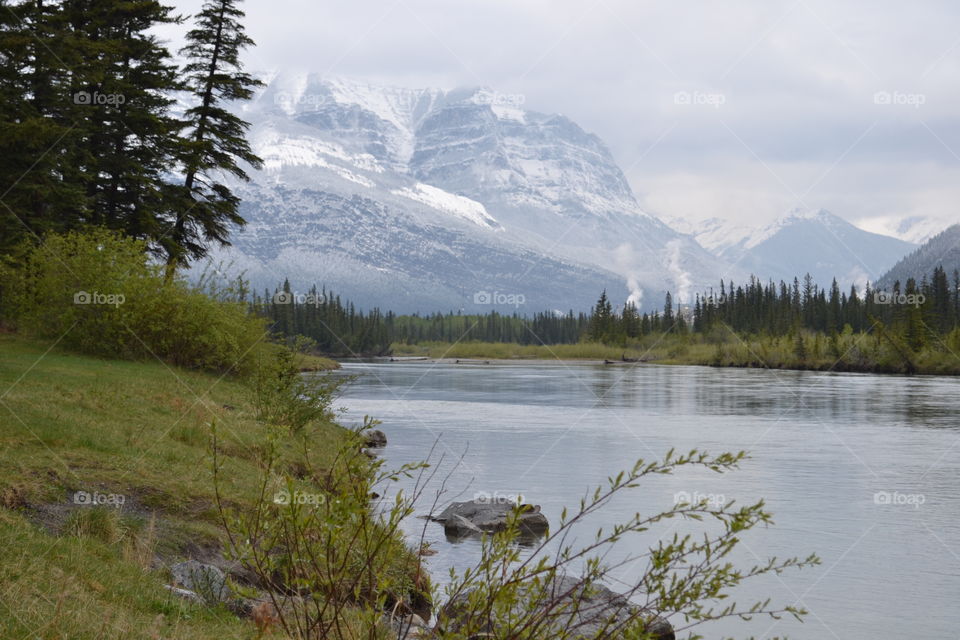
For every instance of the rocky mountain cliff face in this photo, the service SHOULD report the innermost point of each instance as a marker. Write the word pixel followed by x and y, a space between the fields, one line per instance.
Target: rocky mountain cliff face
pixel 428 199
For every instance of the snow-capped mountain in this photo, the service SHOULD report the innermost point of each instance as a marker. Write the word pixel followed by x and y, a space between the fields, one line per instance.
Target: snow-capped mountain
pixel 915 229
pixel 429 200
pixel 943 250
pixel 713 234
pixel 800 242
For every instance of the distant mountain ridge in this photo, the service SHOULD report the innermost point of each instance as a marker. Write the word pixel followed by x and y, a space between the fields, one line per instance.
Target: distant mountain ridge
pixel 943 250
pixel 916 229
pixel 430 199
pixel 804 241
pixel 419 199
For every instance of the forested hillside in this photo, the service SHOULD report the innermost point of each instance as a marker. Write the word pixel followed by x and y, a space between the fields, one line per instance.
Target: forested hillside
pixel 942 250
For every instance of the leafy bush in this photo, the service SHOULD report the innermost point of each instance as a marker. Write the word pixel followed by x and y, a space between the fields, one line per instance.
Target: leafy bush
pixel 325 558
pixel 282 395
pixel 331 566
pixel 99 293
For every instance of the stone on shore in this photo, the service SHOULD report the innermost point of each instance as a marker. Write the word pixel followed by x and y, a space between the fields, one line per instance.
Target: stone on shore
pixel 581 612
pixel 205 580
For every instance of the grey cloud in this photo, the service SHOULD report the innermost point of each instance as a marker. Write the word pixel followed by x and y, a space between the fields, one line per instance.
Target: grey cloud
pixel 798 79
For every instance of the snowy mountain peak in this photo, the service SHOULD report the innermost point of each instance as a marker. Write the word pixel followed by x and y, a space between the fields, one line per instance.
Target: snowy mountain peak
pixel 797 215
pixel 800 213
pixel 917 229
pixel 397 195
pixel 803 241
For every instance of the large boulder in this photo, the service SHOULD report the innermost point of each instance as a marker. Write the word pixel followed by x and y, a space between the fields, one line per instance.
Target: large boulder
pixel 474 517
pixel 580 611
pixel 409 627
pixel 374 438
pixel 205 580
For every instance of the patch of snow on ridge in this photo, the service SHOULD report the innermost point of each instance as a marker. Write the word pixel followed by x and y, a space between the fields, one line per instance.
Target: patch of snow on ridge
pixel 510 113
pixel 387 103
pixel 279 151
pixel 793 216
pixel 460 206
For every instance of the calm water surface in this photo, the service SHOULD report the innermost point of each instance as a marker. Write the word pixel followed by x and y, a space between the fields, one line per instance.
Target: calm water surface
pixel 822 447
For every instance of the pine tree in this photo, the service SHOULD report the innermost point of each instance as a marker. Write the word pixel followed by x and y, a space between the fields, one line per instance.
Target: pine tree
pixel 39 189
pixel 121 89
pixel 601 320
pixel 668 319
pixel 800 348
pixel 216 138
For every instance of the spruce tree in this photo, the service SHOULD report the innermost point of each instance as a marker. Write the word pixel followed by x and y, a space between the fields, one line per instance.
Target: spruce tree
pixel 668 317
pixel 39 186
pixel 120 90
pixel 216 138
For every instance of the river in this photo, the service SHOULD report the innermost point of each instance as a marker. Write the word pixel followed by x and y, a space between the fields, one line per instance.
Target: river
pixel 861 469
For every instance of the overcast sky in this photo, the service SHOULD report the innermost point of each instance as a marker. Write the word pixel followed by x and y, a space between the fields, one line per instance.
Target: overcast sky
pixel 737 109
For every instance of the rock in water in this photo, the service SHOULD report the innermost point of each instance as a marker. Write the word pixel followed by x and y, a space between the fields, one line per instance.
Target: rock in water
pixel 584 612
pixel 491 516
pixel 410 627
pixel 459 527
pixel 374 438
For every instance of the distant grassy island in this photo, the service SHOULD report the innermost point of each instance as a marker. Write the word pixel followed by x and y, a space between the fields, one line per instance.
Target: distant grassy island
pixel 863 353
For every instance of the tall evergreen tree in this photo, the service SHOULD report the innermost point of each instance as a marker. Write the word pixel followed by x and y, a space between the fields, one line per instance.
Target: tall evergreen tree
pixel 601 321
pixel 39 186
pixel 216 138
pixel 668 318
pixel 121 90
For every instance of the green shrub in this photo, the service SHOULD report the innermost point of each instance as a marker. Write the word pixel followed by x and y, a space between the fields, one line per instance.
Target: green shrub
pixel 99 293
pixel 282 395
pixel 332 564
pixel 326 558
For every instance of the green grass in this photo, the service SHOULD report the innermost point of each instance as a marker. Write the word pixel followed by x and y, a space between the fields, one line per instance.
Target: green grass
pixel 309 362
pixel 137 429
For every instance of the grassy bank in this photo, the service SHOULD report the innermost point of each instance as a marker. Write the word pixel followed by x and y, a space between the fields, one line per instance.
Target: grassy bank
pixel 150 421
pixel 867 353
pixel 134 429
pixel 309 362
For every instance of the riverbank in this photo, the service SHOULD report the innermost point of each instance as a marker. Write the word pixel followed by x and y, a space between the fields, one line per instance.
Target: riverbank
pixel 854 353
pixel 106 481
pixel 310 363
